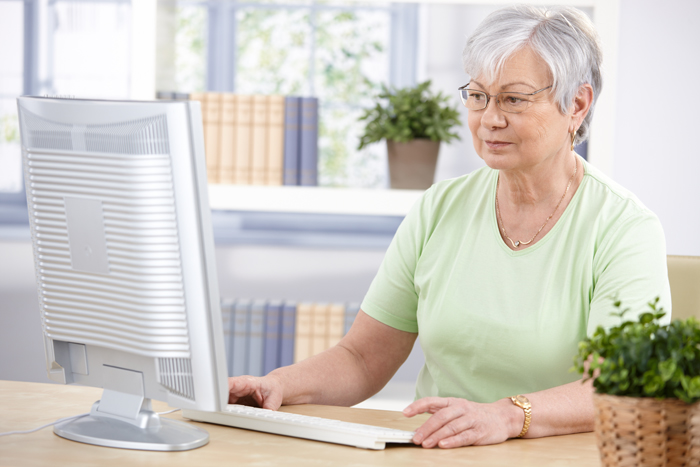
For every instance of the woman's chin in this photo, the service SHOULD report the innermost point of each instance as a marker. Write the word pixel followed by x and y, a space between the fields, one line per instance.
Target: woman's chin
pixel 498 160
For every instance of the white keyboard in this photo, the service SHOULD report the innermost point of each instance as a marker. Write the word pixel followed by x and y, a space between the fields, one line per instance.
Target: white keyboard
pixel 302 426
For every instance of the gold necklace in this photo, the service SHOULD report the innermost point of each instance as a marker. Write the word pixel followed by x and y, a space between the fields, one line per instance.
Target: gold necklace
pixel 517 243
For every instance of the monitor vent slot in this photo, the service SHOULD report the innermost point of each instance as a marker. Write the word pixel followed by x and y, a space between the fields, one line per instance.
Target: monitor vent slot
pixel 138 304
pixel 175 374
pixel 143 136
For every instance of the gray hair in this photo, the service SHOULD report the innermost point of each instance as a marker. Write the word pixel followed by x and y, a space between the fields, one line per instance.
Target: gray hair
pixel 563 37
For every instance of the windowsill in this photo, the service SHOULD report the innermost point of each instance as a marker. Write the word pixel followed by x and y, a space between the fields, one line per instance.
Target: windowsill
pixel 312 200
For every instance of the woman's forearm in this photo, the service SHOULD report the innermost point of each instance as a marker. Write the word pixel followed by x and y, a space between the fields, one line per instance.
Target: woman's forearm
pixel 562 410
pixel 333 377
pixel 350 372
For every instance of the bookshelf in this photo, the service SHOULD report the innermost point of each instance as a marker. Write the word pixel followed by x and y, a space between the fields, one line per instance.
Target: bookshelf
pixel 312 200
pixel 308 216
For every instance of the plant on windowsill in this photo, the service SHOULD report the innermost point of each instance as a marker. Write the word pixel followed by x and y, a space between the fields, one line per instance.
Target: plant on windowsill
pixel 413 121
pixel 647 381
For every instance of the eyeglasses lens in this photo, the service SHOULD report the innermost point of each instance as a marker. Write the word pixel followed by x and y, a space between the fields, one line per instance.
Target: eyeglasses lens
pixel 508 102
pixel 473 100
pixel 512 102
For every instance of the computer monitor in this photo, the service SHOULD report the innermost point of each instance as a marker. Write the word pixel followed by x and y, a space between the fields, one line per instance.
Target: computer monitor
pixel 124 257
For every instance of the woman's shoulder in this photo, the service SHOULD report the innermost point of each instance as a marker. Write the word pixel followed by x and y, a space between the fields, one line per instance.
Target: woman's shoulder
pixel 614 212
pixel 446 200
pixel 475 184
pixel 604 193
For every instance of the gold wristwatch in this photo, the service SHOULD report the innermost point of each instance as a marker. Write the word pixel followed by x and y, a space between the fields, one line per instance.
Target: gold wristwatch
pixel 522 402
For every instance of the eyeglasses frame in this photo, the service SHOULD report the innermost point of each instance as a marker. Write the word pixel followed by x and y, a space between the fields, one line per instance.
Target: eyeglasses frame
pixel 489 96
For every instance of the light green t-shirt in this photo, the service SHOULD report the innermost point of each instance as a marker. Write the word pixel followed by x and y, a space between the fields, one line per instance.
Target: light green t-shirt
pixel 493 322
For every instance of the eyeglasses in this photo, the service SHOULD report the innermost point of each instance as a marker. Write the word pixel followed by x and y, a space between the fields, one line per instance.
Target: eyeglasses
pixel 511 102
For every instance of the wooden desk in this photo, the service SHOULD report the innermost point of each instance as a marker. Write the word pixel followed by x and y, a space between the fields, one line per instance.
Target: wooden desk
pixel 28 405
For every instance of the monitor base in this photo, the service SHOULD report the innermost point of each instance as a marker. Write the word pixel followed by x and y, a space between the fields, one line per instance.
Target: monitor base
pixel 171 435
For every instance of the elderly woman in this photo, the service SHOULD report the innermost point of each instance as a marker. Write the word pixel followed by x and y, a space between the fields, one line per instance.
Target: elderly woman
pixel 503 271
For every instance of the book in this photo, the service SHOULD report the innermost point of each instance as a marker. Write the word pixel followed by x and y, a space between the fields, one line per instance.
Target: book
pixel 244 115
pixel 273 325
pixel 319 328
pixel 227 326
pixel 308 147
pixel 212 133
pixel 256 334
pixel 286 348
pixel 199 97
pixel 241 315
pixel 258 149
pixel 291 140
pixel 351 311
pixel 227 148
pixel 302 335
pixel 336 324
pixel 275 140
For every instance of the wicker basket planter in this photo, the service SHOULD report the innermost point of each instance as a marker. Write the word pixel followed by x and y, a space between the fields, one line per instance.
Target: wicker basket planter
pixel 647 432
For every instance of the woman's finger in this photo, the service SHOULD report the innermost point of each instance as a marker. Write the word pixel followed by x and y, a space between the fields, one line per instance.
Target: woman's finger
pixel 439 420
pixel 272 401
pixel 241 385
pixel 456 430
pixel 464 438
pixel 254 391
pixel 426 404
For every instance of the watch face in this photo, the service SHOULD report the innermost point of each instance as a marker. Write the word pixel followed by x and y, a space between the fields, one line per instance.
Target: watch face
pixel 522 399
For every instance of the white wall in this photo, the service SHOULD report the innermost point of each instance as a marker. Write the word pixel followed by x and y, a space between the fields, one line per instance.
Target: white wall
pixel 444 30
pixel 21 345
pixel 657 150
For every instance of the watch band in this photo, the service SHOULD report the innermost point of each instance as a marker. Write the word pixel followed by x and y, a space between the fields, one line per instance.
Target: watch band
pixel 523 402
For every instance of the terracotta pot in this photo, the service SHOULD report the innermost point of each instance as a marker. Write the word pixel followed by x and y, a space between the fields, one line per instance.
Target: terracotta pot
pixel 412 164
pixel 646 432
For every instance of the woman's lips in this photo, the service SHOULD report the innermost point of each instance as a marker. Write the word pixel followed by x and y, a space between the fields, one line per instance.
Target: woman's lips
pixel 497 144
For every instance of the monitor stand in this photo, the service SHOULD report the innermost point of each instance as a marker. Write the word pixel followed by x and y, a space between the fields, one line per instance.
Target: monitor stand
pixel 124 419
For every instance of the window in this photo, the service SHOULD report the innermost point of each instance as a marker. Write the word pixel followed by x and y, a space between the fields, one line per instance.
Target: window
pixel 11 85
pixel 340 53
pixel 82 50
pixel 89 52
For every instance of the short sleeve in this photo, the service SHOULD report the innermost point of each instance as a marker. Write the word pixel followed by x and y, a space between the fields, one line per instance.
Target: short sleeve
pixel 392 297
pixel 630 266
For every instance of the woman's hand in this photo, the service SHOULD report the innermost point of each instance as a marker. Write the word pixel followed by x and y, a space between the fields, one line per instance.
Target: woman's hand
pixel 459 422
pixel 265 392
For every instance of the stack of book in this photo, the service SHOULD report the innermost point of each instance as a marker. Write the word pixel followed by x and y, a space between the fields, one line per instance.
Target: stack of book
pixel 261 335
pixel 259 139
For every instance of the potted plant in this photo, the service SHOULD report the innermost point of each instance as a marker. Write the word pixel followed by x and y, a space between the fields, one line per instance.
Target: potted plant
pixel 647 381
pixel 413 121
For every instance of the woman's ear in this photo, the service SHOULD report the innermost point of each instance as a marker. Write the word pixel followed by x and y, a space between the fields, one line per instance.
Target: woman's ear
pixel 581 105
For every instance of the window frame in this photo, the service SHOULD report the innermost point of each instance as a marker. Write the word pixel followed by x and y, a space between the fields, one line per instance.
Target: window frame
pixel 222 27
pixel 221 39
pixel 14 205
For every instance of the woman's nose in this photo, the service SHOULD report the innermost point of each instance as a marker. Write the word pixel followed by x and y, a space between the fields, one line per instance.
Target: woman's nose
pixel 493 116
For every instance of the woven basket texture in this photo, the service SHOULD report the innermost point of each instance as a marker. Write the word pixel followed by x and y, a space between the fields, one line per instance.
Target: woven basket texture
pixel 646 432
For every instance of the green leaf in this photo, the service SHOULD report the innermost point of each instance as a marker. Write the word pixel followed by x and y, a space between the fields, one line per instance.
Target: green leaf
pixel 667 369
pixel 642 357
pixel 417 112
pixel 694 387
